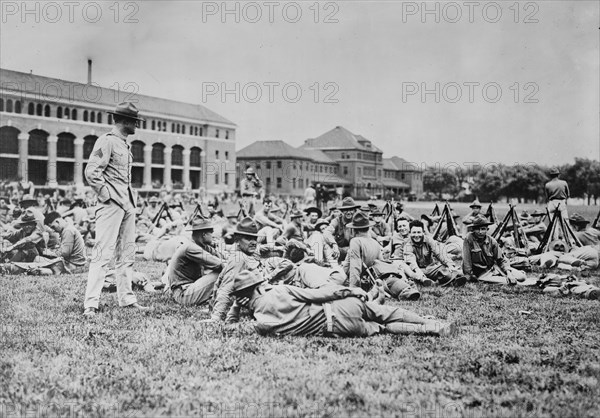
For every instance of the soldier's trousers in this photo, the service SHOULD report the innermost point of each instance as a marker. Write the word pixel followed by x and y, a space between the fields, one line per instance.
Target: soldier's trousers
pixel 198 292
pixel 115 237
pixel 351 317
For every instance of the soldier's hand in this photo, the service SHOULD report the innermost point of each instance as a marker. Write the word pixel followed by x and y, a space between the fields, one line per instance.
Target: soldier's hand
pixel 359 293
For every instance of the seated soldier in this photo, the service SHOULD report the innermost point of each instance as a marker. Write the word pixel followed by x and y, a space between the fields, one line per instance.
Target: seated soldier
pixel 323 245
pixel 363 250
pixel 483 259
pixel 333 310
pixel 587 235
pixel 338 225
pixel 396 252
pixel 536 227
pixel 380 230
pixel 293 230
pixel 195 266
pixel 313 214
pixel 27 242
pixel 268 224
pixel 419 253
pixel 245 257
pixel 72 246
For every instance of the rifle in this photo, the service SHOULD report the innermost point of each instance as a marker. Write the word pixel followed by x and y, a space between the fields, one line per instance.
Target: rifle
pixel 595 223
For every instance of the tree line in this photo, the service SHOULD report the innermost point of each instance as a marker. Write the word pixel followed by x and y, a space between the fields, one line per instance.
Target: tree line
pixel 522 182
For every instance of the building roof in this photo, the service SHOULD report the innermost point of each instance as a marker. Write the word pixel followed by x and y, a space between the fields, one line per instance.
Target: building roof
pixel 340 138
pixel 70 91
pixel 394 183
pixel 317 155
pixel 271 149
pixel 328 178
pixel 388 164
pixel 404 165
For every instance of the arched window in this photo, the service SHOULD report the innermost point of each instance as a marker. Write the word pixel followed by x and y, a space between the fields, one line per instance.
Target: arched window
pixel 31 109
pixel 177 155
pixel 9 106
pixel 92 117
pixel 47 111
pixel 85 115
pixel 143 124
pixel 200 131
pixel 65 146
pixel 1 105
pixel 137 150
pixel 88 145
pixel 109 119
pixel 99 117
pixel 183 129
pixel 195 158
pixel 39 109
pixel 164 124
pixel 74 114
pixel 18 106
pixel 153 125
pixel 38 143
pixel 158 153
pixel 196 130
pixel 172 127
pixel 59 112
pixel 9 140
pixel 67 113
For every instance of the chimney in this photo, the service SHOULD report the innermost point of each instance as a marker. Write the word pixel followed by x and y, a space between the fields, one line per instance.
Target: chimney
pixel 89 81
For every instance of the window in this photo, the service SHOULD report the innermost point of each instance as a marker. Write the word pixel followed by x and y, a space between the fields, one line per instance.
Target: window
pixel 59 112
pixel 217 133
pixel 74 114
pixel 378 173
pixel 359 156
pixel 88 145
pixel 334 170
pixel 200 131
pixel 345 171
pixel 226 134
pixel 92 117
pixel 279 182
pixel 358 171
pixel 217 155
pixel 85 115
pixel 31 109
pixel 158 153
pixel 65 147
pixel 9 106
pixel 177 155
pixel 18 106
pixel 172 127
pixel 195 157
pixel 268 165
pixel 217 178
pixel 402 176
pixel 301 183
pixel 67 113
pixel 320 169
pixel 177 128
pixel 1 105
pixel 268 180
pixel 47 111
pixel 137 151
pixel 226 178
pixel 294 183
pixel 183 129
pixel 153 125
pixel 278 165
pixel 100 119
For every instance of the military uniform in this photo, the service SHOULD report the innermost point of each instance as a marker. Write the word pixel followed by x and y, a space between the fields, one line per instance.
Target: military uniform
pixel 427 257
pixel 362 250
pixel 109 174
pixel 557 193
pixel 72 249
pixel 193 271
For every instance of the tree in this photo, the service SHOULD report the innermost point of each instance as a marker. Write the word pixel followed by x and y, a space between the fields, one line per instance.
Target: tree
pixel 525 182
pixel 583 178
pixel 439 181
pixel 489 182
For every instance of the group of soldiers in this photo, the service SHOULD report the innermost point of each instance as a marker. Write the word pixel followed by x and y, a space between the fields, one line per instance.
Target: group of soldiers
pixel 298 271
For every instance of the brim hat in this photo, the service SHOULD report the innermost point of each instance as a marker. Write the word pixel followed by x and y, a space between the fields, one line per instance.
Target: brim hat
pixel 554 171
pixel 321 222
pixel 247 227
pixel 127 110
pixel 245 279
pixel 51 217
pixel 578 219
pixel 250 170
pixel 476 204
pixel 153 199
pixel 538 212
pixel 315 210
pixel 360 220
pixel 296 214
pixel 27 218
pixel 27 203
pixel 348 204
pixel 200 224
pixel 480 220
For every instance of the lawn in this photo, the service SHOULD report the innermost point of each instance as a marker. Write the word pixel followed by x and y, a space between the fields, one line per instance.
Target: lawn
pixel 503 362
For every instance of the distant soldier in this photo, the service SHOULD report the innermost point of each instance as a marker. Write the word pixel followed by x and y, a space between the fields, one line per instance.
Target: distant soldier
pixel 250 189
pixel 468 219
pixel 557 193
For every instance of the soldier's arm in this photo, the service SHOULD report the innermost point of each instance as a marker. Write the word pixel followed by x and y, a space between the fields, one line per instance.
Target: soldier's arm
pixel 223 294
pixel 324 294
pixel 355 263
pixel 66 245
pixel 410 258
pixel 98 161
pixel 34 238
pixel 499 258
pixel 204 258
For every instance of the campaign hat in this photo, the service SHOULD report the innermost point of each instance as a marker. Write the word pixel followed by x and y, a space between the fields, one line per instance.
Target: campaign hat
pixel 127 110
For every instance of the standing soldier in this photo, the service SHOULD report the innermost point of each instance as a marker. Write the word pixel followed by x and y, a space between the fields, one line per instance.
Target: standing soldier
pixel 109 173
pixel 557 193
pixel 250 189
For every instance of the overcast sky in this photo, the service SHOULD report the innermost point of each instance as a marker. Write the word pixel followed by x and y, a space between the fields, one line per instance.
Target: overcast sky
pixel 362 65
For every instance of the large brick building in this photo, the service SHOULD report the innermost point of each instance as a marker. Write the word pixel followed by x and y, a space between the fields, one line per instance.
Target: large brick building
pixel 338 158
pixel 48 128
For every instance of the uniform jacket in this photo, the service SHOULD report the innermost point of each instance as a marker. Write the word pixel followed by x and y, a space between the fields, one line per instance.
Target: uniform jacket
pixel 557 189
pixel 479 257
pixel 250 187
pixel 190 262
pixel 109 169
pixel 422 255
pixel 362 250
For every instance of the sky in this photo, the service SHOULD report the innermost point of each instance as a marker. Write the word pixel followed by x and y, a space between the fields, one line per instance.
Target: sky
pixel 434 83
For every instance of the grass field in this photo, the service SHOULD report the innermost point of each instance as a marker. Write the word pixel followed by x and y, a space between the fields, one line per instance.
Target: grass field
pixel 502 363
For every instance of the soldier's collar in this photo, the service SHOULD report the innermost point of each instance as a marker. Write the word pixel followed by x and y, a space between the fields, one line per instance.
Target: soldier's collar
pixel 116 133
